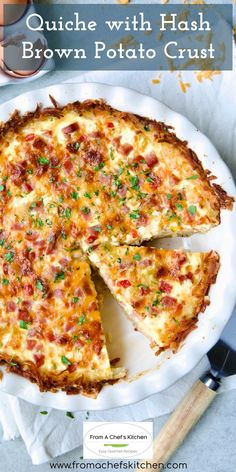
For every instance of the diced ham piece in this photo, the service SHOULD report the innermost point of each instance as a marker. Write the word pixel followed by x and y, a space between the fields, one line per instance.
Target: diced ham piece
pixel 93 157
pixel 165 287
pixel 151 159
pixel 70 128
pixel 122 191
pixel 5 268
pixel 27 187
pixel 39 144
pixel 143 220
pixel 144 291
pixel 28 290
pixel 31 343
pixel 11 306
pixel 26 304
pixel 124 283
pixel 92 306
pixel 29 137
pixel 24 315
pixel 168 302
pixel 145 262
pixel 58 293
pixel 39 359
pixel 50 336
pixel 32 236
pixel 68 165
pixel 17 226
pixel 78 292
pixel 156 181
pixel 105 179
pixel 126 149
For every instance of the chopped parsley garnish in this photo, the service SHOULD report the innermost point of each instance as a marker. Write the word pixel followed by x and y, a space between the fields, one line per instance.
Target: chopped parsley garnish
pixel 5 281
pixel 96 193
pixel 87 195
pixel 149 179
pixel 9 256
pixel 147 128
pixel 63 235
pixel 2 241
pixel 171 217
pixel 76 146
pixel 2 187
pixel 119 260
pixel 75 299
pixel 23 324
pixel 112 154
pixel 48 222
pixel 43 412
pixel 59 276
pixel 39 285
pixel 85 210
pixel 192 177
pixel 137 257
pixel 155 302
pixel 109 227
pixel 70 415
pixel 113 194
pixel 134 215
pixel 169 196
pixel 68 213
pixel 74 195
pixel 43 161
pixel 192 209
pixel 134 182
pixel 81 320
pixel 65 360
pixel 40 222
pixel 99 166
pixel 179 206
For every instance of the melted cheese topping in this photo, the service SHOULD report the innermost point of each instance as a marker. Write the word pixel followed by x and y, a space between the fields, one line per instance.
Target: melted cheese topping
pixel 162 291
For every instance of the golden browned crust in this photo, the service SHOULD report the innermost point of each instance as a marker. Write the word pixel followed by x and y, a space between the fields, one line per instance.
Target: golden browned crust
pixel 52 383
pixel 17 121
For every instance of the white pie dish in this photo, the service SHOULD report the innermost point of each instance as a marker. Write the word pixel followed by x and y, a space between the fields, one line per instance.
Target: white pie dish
pixel 132 347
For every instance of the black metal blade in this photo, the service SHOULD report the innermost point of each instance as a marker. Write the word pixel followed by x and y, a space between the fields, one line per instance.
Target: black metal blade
pixel 222 356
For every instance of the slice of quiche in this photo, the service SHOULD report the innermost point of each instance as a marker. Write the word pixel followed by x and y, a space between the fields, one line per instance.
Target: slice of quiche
pixel 162 291
pixel 50 325
pixel 104 174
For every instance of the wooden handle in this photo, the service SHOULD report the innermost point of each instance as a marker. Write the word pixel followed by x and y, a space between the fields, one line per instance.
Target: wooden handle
pixel 180 422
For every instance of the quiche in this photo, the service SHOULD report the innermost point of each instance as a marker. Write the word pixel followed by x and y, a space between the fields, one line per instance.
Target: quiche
pixel 73 178
pixel 162 291
pixel 50 325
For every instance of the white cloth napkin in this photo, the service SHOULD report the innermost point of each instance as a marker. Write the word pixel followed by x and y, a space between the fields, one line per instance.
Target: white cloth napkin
pixel 211 106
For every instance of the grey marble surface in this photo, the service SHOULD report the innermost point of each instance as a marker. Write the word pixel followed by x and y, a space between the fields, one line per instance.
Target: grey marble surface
pixel 209 448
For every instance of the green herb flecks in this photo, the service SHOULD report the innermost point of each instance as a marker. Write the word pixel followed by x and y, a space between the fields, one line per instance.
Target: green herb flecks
pixel 65 361
pixel 192 210
pixel 59 276
pixel 23 324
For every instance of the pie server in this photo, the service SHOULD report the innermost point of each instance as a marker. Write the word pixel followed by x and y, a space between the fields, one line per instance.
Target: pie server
pixel 222 358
